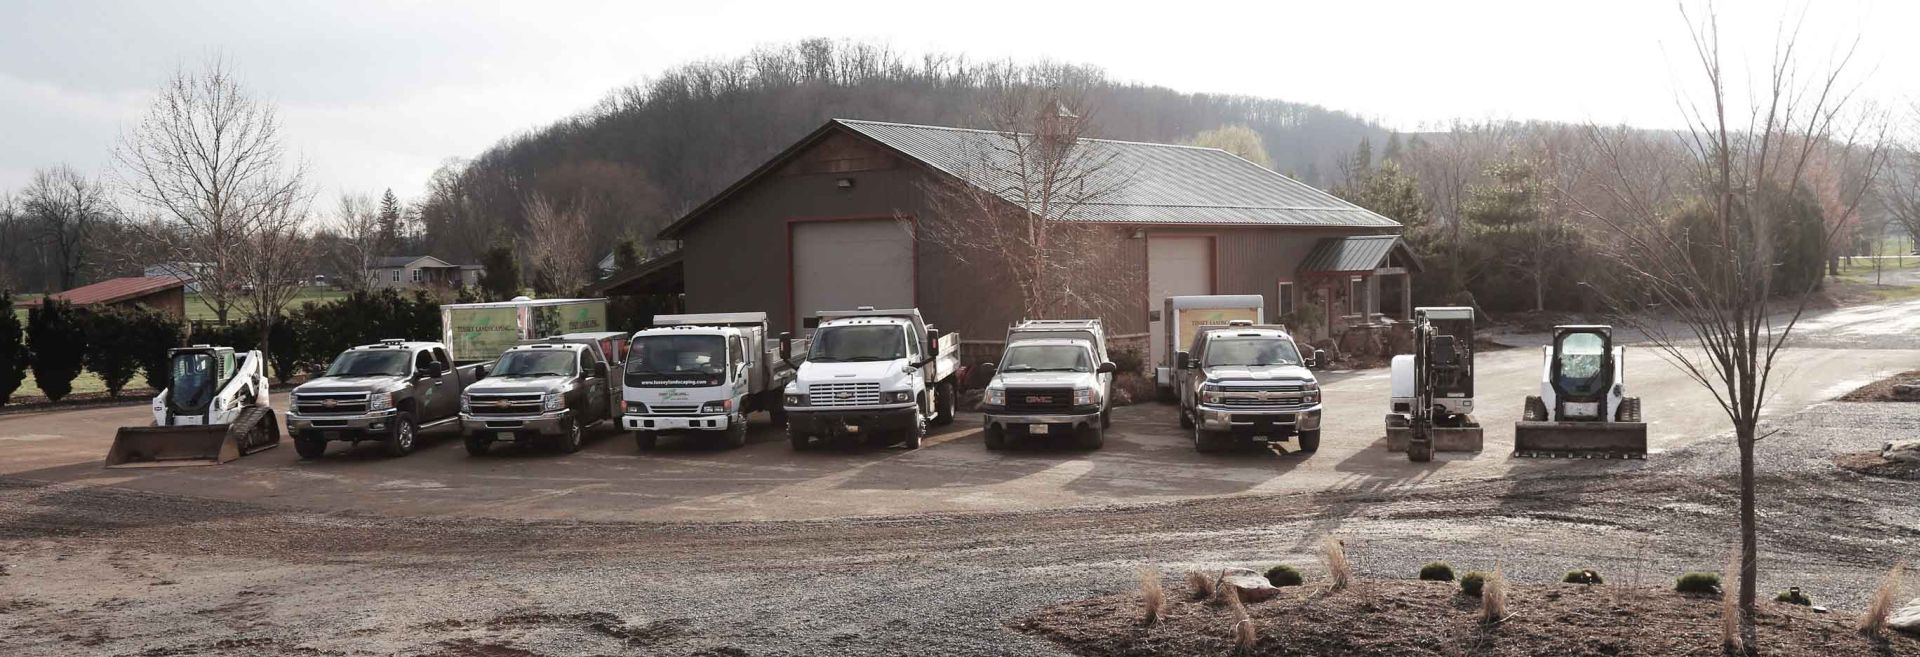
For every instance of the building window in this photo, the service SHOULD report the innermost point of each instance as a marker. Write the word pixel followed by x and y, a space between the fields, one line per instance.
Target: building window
pixel 396 275
pixel 1284 307
pixel 419 275
pixel 1356 296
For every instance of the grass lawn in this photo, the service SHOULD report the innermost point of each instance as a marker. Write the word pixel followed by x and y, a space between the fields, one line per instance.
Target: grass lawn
pixel 199 310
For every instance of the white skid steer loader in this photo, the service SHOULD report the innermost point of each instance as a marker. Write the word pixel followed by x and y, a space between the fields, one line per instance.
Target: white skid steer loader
pixel 1582 410
pixel 213 410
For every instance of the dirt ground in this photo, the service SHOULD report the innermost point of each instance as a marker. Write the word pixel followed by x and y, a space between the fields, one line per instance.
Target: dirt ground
pixel 1419 619
pixel 695 551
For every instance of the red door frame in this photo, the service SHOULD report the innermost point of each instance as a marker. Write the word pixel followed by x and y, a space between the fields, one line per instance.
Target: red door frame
pixel 798 322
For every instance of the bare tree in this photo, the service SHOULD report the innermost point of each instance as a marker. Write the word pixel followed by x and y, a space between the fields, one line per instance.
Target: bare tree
pixel 66 210
pixel 275 261
pixel 562 249
pixel 1900 187
pixel 208 158
pixel 1024 204
pixel 1713 268
pixel 358 241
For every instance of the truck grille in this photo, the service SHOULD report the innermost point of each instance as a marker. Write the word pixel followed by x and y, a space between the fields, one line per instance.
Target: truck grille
pixel 330 403
pixel 514 404
pixel 843 394
pixel 681 409
pixel 1039 400
pixel 1265 398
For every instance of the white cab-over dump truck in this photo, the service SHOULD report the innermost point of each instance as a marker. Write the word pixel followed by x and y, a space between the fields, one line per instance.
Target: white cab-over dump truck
pixel 704 373
pixel 882 375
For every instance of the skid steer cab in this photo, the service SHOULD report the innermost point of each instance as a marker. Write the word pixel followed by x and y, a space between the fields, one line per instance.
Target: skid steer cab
pixel 214 409
pixel 1582 410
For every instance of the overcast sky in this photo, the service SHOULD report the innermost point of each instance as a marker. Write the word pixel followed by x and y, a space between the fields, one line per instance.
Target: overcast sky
pixel 376 95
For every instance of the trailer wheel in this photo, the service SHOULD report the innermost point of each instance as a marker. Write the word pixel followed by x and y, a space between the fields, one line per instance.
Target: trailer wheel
pixel 996 437
pixel 645 441
pixel 477 445
pixel 943 404
pixel 310 448
pixel 1309 441
pixel 399 440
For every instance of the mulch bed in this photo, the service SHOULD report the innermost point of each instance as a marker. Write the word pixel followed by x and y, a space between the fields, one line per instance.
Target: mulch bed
pixel 1872 465
pixel 1882 390
pixel 1391 618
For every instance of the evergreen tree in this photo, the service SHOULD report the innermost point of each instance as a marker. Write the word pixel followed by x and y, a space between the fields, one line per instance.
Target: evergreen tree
pixel 13 353
pixel 392 233
pixel 626 255
pixel 113 349
pixel 500 273
pixel 58 343
pixel 1389 191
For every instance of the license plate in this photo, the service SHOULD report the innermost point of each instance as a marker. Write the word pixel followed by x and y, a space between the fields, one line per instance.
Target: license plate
pixel 330 435
pixel 503 435
pixel 1037 429
pixel 853 428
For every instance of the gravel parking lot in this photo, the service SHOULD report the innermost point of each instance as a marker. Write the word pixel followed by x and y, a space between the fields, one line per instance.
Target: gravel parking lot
pixel 694 550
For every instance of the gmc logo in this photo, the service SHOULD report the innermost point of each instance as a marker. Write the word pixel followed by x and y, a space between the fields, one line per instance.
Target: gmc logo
pixel 1037 399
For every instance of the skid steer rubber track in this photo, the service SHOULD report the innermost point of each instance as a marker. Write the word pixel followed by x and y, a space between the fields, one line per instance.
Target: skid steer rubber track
pixel 149 447
pixel 1580 440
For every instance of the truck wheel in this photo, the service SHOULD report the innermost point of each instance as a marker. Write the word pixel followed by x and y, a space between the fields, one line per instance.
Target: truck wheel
pixel 310 448
pixel 1310 441
pixel 570 436
pixel 917 433
pixel 943 404
pixel 1165 394
pixel 1092 437
pixel 1186 421
pixel 1106 417
pixel 996 437
pixel 1204 441
pixel 645 441
pixel 800 440
pixel 737 433
pixel 776 411
pixel 399 440
pixel 477 445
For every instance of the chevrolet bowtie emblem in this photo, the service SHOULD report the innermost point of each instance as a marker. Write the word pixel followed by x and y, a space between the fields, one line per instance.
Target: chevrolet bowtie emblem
pixel 501 403
pixel 843 395
pixel 330 403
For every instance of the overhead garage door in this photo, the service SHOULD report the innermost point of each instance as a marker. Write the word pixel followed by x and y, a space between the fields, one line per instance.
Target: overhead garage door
pixel 841 265
pixel 1176 266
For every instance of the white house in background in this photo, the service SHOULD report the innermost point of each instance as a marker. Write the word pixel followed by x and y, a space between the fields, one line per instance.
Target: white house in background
pixel 190 271
pixel 606 265
pixel 421 273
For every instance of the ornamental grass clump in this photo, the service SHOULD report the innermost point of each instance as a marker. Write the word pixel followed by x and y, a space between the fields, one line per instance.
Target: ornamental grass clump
pixel 1436 571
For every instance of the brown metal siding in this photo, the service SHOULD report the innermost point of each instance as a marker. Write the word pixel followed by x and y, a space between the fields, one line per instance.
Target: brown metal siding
pixel 1255 260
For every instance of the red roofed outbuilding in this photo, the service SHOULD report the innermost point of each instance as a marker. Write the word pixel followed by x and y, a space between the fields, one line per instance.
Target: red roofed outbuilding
pixel 166 294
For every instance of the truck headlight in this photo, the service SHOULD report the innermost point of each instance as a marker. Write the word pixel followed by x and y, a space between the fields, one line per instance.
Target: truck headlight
pixel 1083 397
pixel 1210 394
pixel 380 401
pixel 796 400
pixel 897 396
pixel 466 403
pixel 637 408
pixel 1311 394
pixel 553 401
pixel 717 406
pixel 996 397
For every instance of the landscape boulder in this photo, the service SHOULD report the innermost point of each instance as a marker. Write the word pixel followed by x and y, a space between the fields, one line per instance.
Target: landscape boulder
pixel 1253 586
pixel 1904 450
pixel 1906 391
pixel 1907 618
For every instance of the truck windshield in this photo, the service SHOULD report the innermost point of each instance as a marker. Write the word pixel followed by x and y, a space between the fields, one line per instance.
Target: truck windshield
pixel 192 385
pixel 1251 352
pixel 1582 356
pixel 849 344
pixel 370 363
pixel 700 355
pixel 1046 358
pixel 557 362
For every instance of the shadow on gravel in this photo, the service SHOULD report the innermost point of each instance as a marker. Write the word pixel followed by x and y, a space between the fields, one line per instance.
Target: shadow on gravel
pixel 38 510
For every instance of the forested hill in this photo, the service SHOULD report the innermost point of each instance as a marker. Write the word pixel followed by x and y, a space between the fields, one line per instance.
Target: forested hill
pixel 650 151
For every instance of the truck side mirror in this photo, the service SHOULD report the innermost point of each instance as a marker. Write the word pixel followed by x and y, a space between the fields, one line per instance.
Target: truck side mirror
pixel 479 372
pixel 786 346
pixel 1319 358
pixel 1182 360
pixel 933 338
pixel 1106 367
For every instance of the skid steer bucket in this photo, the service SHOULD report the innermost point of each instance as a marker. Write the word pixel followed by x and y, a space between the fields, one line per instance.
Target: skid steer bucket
pixel 1590 440
pixel 143 447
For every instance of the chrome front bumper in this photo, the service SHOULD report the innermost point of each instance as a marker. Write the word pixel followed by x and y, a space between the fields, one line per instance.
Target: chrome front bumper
pixel 1220 418
pixel 676 422
pixel 359 424
pixel 548 424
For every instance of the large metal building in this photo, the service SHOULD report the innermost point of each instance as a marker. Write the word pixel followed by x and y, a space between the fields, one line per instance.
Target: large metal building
pixel 826 223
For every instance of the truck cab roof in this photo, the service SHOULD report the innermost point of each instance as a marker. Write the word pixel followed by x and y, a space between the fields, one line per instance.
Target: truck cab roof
pixel 399 345
pixel 865 321
pixel 1052 342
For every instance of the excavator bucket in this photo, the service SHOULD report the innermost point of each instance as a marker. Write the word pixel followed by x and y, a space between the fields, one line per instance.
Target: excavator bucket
pixel 152 447
pixel 1589 440
pixel 147 447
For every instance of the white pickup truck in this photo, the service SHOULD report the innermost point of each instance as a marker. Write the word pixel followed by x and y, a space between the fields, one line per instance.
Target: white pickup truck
pixel 704 373
pixel 881 375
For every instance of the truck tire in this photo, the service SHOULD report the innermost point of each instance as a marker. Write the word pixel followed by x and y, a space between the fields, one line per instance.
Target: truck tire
pixel 1206 442
pixel 776 409
pixel 737 433
pixel 1186 421
pixel 995 437
pixel 1092 437
pixel 477 445
pixel 799 439
pixel 917 433
pixel 570 436
pixel 943 404
pixel 1106 417
pixel 400 436
pixel 1310 441
pixel 1165 394
pixel 310 448
pixel 645 441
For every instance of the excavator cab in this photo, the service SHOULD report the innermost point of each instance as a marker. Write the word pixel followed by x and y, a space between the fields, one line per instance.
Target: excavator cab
pixel 213 410
pixel 1582 410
